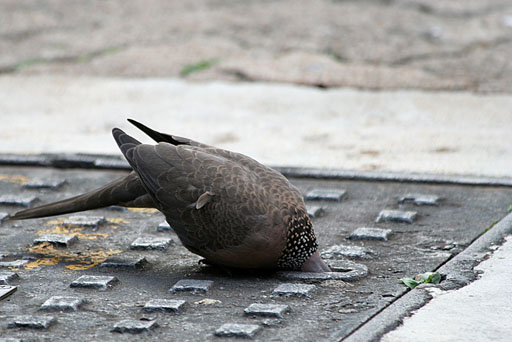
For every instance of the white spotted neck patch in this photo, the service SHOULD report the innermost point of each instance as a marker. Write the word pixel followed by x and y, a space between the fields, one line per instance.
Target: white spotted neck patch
pixel 300 242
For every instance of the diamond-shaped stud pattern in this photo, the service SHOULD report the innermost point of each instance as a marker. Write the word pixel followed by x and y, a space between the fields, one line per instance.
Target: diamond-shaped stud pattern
pixel 131 326
pixel 192 285
pixel 358 252
pixel 163 227
pixel 7 290
pixel 267 310
pixel 3 216
pixel 62 303
pixel 315 211
pixel 325 195
pixel 295 290
pixel 343 270
pixel 120 262
pixel 24 201
pixel 117 208
pixel 148 243
pixel 419 199
pixel 6 277
pixel 95 282
pixel 237 330
pixel 261 305
pixel 13 264
pixel 56 239
pixel 84 221
pixel 366 233
pixel 10 339
pixel 44 183
pixel 396 216
pixel 164 305
pixel 348 270
pixel 32 322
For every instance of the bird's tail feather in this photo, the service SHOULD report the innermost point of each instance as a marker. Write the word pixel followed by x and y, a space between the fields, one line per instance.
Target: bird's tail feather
pixel 127 190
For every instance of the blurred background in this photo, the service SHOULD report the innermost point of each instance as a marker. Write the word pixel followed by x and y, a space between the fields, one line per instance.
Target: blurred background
pixel 392 85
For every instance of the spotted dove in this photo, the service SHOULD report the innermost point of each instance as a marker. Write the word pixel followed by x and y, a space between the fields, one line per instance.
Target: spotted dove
pixel 224 206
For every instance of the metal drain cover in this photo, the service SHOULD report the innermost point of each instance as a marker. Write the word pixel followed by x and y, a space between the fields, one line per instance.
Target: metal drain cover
pixel 371 255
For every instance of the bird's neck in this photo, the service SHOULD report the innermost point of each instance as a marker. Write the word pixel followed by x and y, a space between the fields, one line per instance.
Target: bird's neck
pixel 300 242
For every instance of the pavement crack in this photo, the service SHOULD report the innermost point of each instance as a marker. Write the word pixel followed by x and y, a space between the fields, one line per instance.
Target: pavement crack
pixel 70 59
pixel 453 13
pixel 452 54
pixel 238 73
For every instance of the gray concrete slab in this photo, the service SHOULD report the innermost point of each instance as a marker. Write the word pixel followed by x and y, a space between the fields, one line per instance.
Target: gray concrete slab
pixel 478 312
pixel 276 124
pixel 401 44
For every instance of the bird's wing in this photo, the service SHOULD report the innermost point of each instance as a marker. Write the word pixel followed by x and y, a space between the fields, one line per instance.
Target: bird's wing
pixel 164 137
pixel 212 202
pixel 177 140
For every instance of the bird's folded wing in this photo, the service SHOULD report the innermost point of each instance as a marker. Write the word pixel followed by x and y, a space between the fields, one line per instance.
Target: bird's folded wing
pixel 177 177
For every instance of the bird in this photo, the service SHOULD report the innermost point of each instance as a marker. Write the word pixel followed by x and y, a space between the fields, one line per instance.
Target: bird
pixel 224 206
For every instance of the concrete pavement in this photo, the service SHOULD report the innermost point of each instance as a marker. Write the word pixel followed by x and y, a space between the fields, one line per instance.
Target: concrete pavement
pixel 477 312
pixel 400 44
pixel 278 124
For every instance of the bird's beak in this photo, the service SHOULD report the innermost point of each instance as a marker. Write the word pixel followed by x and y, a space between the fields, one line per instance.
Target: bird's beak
pixel 315 264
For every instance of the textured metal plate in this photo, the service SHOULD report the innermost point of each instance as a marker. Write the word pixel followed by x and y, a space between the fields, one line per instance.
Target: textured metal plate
pixel 333 307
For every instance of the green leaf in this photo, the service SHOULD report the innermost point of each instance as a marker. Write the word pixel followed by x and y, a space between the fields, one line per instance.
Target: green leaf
pixel 409 282
pixel 427 277
pixel 199 66
pixel 28 63
pixel 434 278
pixel 509 207
pixel 490 226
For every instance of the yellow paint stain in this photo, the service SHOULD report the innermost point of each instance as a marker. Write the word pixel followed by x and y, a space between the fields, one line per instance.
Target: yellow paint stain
pixel 42 262
pixel 47 249
pixel 53 256
pixel 80 261
pixel 61 228
pixel 14 179
pixel 65 230
pixel 117 220
pixel 80 267
pixel 58 220
pixel 95 258
pixel 143 210
pixel 91 236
